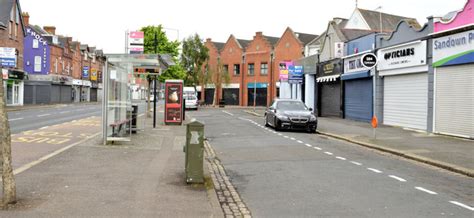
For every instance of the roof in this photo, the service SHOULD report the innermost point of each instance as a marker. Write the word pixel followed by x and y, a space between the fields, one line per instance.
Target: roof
pixel 389 21
pixel 351 34
pixel 5 9
pixel 219 45
pixel 273 40
pixel 305 38
pixel 243 42
pixel 38 29
pixel 83 47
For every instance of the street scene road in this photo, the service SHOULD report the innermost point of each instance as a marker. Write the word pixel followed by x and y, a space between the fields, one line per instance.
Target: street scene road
pixel 288 174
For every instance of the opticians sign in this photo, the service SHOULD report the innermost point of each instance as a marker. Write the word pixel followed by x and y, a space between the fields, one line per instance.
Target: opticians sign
pixel 454 49
pixel 408 55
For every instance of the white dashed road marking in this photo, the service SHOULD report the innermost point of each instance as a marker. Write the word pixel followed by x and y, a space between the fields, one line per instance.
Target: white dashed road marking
pixel 462 205
pixel 280 134
pixel 15 119
pixel 308 145
pixel 292 138
pixel 318 148
pixel 426 190
pixel 301 142
pixel 64 112
pixel 374 170
pixel 286 136
pixel 43 115
pixel 228 113
pixel 328 153
pixel 340 158
pixel 44 127
pixel 398 178
pixel 356 163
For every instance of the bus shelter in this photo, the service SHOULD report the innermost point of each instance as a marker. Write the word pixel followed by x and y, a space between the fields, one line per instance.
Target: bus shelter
pixel 118 114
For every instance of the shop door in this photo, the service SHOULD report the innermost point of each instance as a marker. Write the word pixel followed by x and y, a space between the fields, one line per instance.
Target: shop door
pixel 231 96
pixel 261 99
pixel 454 104
pixel 331 99
pixel 93 95
pixel 16 93
pixel 406 100
pixel 55 94
pixel 358 99
pixel 66 94
pixel 208 96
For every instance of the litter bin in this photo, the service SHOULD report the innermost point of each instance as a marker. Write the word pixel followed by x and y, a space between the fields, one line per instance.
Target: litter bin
pixel 134 117
pixel 194 152
pixel 222 103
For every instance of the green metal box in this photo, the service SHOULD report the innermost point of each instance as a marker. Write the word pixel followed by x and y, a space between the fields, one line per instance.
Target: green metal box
pixel 194 151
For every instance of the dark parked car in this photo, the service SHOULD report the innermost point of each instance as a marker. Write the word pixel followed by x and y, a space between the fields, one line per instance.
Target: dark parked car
pixel 290 114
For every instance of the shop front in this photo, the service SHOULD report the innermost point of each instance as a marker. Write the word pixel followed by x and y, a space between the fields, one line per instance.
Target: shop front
pixel 230 93
pixel 405 90
pixel 358 89
pixel 257 93
pixel 329 87
pixel 453 61
pixel 309 71
pixel 13 86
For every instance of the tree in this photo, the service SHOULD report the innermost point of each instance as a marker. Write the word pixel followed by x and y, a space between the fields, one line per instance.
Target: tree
pixel 219 77
pixel 193 58
pixel 173 72
pixel 9 186
pixel 156 42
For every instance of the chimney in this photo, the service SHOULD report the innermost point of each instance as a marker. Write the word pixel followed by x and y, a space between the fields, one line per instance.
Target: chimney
pixel 258 34
pixel 50 29
pixel 208 40
pixel 26 18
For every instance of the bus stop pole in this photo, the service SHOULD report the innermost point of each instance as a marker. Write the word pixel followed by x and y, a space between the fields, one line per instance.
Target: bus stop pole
pixel 154 102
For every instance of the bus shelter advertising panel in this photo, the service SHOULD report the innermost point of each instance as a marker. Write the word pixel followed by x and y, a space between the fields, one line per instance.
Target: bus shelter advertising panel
pixel 174 101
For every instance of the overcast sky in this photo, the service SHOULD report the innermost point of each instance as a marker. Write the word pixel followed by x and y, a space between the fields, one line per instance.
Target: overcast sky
pixel 102 23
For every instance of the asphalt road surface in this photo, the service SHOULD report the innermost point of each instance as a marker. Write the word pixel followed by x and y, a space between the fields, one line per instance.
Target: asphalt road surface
pixel 37 118
pixel 295 174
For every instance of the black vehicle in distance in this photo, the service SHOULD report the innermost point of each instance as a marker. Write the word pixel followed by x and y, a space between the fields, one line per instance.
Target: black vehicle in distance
pixel 290 114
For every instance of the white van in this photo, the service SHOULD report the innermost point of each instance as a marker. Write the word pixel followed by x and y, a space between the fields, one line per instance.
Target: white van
pixel 190 96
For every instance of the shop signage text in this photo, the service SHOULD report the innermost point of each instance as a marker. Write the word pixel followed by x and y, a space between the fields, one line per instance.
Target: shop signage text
pixel 85 72
pixel 454 49
pixel 369 60
pixel 409 55
pixel 296 75
pixel 7 57
pixel 328 68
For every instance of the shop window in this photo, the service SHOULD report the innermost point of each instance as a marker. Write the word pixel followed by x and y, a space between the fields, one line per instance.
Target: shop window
pixel 251 69
pixel 263 68
pixel 37 64
pixel 236 69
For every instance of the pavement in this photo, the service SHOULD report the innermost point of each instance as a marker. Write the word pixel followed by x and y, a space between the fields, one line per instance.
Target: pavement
pixel 44 106
pixel 141 178
pixel 450 153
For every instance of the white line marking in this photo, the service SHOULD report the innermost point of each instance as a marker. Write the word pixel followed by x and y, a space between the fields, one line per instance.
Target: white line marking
pixel 341 158
pixel 328 153
pixel 64 112
pixel 286 136
pixel 43 115
pixel 308 145
pixel 318 148
pixel 292 138
pixel 301 142
pixel 426 190
pixel 356 163
pixel 398 178
pixel 16 119
pixel 44 127
pixel 280 134
pixel 374 170
pixel 228 113
pixel 36 162
pixel 462 205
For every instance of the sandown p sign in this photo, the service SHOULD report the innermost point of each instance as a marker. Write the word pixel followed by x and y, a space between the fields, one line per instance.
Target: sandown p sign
pixel 454 49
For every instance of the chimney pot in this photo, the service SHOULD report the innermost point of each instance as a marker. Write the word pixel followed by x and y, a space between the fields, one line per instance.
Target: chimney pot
pixel 26 18
pixel 50 29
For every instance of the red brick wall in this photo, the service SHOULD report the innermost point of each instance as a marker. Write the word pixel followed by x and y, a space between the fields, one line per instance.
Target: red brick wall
pixel 232 54
pixel 56 54
pixel 289 48
pixel 213 60
pixel 14 42
pixel 76 62
pixel 258 51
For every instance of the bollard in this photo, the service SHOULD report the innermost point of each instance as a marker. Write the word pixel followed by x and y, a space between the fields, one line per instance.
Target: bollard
pixel 194 152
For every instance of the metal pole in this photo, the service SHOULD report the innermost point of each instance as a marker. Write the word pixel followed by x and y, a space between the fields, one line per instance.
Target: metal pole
pixel 154 102
pixel 255 94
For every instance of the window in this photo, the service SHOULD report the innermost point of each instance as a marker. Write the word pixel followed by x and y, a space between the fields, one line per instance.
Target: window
pixel 17 17
pixel 56 66
pixel 236 69
pixel 37 64
pixel 63 67
pixel 16 30
pixel 35 43
pixel 10 29
pixel 251 69
pixel 263 68
pixel 226 68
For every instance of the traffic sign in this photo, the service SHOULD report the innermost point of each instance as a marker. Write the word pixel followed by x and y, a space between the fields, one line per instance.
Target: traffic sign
pixel 369 60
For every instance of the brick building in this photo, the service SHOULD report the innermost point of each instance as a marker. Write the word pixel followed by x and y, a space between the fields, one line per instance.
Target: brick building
pixel 212 65
pixel 12 32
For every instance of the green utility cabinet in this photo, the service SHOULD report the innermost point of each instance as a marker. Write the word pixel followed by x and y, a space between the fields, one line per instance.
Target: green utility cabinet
pixel 194 151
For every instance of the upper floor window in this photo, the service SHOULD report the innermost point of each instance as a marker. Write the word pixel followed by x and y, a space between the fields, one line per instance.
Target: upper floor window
pixel 225 68
pixel 37 67
pixel 263 68
pixel 251 69
pixel 35 43
pixel 236 69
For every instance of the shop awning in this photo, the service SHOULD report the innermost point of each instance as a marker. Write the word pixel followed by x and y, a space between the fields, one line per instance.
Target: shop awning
pixel 327 78
pixel 357 75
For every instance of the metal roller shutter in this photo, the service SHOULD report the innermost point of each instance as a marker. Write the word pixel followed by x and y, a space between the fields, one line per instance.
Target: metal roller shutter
pixel 331 99
pixel 231 96
pixel 55 94
pixel 406 100
pixel 454 107
pixel 93 94
pixel 358 99
pixel 208 96
pixel 66 94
